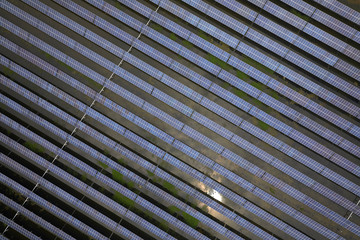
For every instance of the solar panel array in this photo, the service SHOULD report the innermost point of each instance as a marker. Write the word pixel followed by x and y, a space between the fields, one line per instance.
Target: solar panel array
pixel 173 120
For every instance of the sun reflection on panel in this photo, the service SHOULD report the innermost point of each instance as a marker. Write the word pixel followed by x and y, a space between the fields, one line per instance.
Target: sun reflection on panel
pixel 215 194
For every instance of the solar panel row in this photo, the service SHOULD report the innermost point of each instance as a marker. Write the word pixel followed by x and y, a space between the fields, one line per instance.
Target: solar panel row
pixel 96 154
pixel 310 29
pixel 288 36
pixel 60 193
pixel 51 207
pixel 111 143
pixel 196 174
pixel 221 150
pixel 346 87
pixel 309 123
pixel 133 177
pixel 30 215
pixel 293 95
pixel 18 228
pixel 341 9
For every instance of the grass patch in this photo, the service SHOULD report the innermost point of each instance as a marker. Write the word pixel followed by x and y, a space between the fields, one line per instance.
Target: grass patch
pixel 92 83
pixel 258 85
pixel 272 190
pixel 300 15
pixel 257 103
pixel 151 174
pixel 205 208
pixel 171 188
pixel 33 146
pixel 103 165
pixel 257 65
pixel 187 44
pixel 67 66
pixel 173 209
pixel 190 220
pixel 118 177
pixel 173 36
pixel 156 27
pixel 263 125
pixel 218 62
pixel 242 75
pixel 7 71
pixel 118 5
pixel 274 95
pixel 107 153
pixel 121 161
pixel 83 177
pixel 130 184
pixel 125 201
pixel 240 93
pixel 204 36
pixel 164 225
pixel 225 85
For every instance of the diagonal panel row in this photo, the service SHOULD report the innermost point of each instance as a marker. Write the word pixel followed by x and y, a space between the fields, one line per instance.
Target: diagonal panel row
pixel 305 121
pixel 119 129
pixel 299 136
pixel 312 30
pixel 186 129
pixel 76 203
pixel 122 170
pixel 341 9
pixel 35 218
pixel 325 19
pixel 154 152
pixel 247 126
pixel 270 82
pixel 26 233
pixel 274 46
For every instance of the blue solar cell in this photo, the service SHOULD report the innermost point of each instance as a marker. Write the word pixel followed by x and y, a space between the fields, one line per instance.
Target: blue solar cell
pixel 301 6
pixel 172 102
pixel 257 56
pixel 239 8
pixel 230 97
pixel 186 149
pixel 333 23
pixel 208 47
pixel 259 3
pixel 205 64
pixel 315 51
pixel 284 15
pixel 342 10
pixel 202 139
pixel 153 130
pixel 266 42
pixel 276 29
pixel 324 37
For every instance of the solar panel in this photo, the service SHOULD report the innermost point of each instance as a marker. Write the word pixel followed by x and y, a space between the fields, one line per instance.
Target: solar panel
pixel 18 228
pixel 284 15
pixel 304 102
pixel 301 6
pixel 341 10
